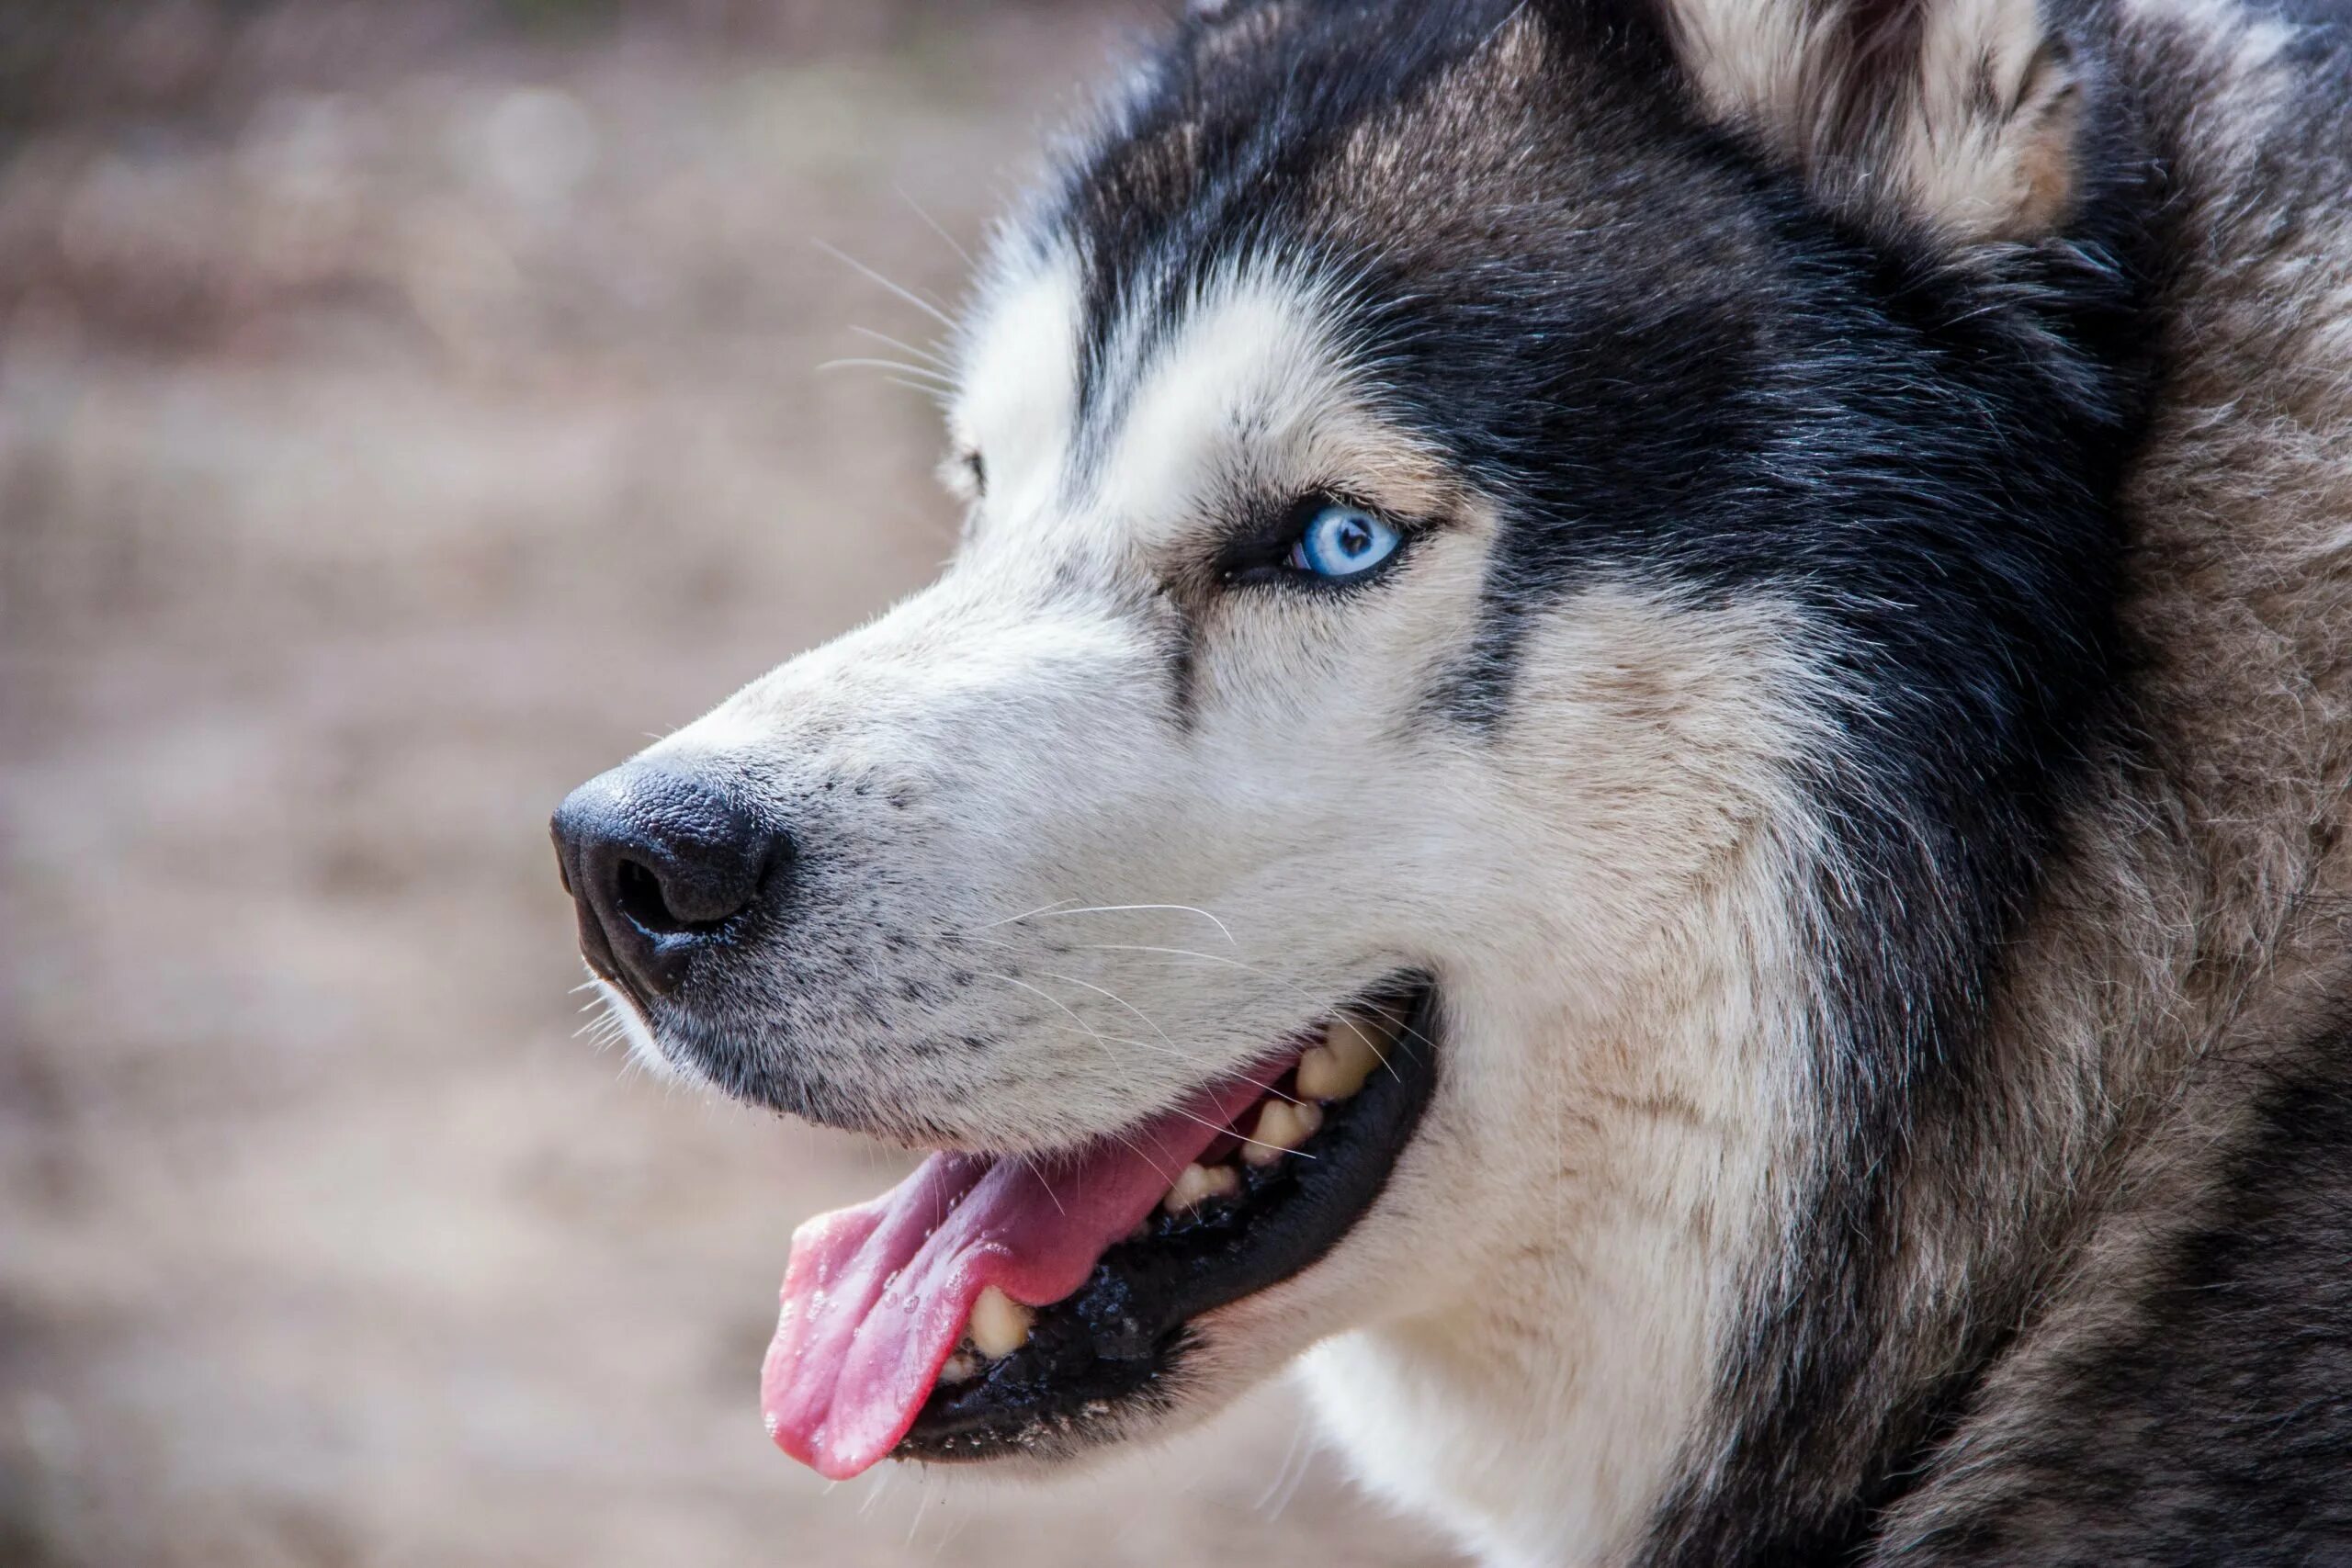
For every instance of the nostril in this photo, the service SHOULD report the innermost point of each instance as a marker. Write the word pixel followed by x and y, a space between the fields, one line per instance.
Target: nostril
pixel 639 894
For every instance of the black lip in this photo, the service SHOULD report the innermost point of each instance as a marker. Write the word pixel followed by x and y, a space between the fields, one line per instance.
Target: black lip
pixel 1113 1345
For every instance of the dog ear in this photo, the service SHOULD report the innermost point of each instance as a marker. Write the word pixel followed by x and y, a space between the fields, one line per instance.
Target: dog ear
pixel 1963 114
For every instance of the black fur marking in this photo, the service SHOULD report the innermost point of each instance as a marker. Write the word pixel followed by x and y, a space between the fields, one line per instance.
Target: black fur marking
pixel 1183 667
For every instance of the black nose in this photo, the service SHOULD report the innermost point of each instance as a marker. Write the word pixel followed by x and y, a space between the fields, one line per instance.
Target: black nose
pixel 659 861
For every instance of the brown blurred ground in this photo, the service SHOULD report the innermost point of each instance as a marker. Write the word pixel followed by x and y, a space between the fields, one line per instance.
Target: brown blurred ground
pixel 404 409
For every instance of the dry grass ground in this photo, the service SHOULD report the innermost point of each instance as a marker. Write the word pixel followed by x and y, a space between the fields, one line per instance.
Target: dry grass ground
pixel 402 411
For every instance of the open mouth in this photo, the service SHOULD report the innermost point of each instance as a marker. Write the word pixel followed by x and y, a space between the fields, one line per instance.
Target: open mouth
pixel 988 1306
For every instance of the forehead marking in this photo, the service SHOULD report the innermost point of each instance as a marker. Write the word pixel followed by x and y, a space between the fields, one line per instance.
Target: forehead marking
pixel 1228 383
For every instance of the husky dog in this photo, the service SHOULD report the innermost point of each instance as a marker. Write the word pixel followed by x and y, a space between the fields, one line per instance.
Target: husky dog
pixel 1641 738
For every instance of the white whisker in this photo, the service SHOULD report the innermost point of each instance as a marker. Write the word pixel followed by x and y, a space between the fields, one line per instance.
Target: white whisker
pixel 860 363
pixel 909 295
pixel 936 227
pixel 935 361
pixel 1009 919
pixel 1117 908
pixel 1105 1043
pixel 1319 1007
pixel 1030 1165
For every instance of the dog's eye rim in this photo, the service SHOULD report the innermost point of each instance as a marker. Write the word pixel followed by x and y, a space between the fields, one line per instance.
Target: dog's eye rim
pixel 1276 554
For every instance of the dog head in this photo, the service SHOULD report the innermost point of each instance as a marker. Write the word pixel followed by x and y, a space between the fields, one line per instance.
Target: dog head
pixel 1525 532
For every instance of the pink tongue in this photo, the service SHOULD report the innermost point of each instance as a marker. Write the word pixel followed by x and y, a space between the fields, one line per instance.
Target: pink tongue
pixel 875 1297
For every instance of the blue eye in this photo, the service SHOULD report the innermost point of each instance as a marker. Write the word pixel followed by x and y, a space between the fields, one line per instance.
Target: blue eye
pixel 1342 542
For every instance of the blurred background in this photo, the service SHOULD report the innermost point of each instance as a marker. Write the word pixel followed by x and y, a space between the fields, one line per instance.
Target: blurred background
pixel 405 409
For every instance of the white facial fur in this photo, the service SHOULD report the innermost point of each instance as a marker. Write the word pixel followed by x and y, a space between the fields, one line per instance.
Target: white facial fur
pixel 1042 896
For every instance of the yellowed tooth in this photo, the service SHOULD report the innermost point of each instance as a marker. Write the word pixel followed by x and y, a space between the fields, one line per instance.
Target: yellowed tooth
pixel 1321 1078
pixel 1197 1184
pixel 1000 1325
pixel 1282 1127
pixel 1353 1048
pixel 961 1366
